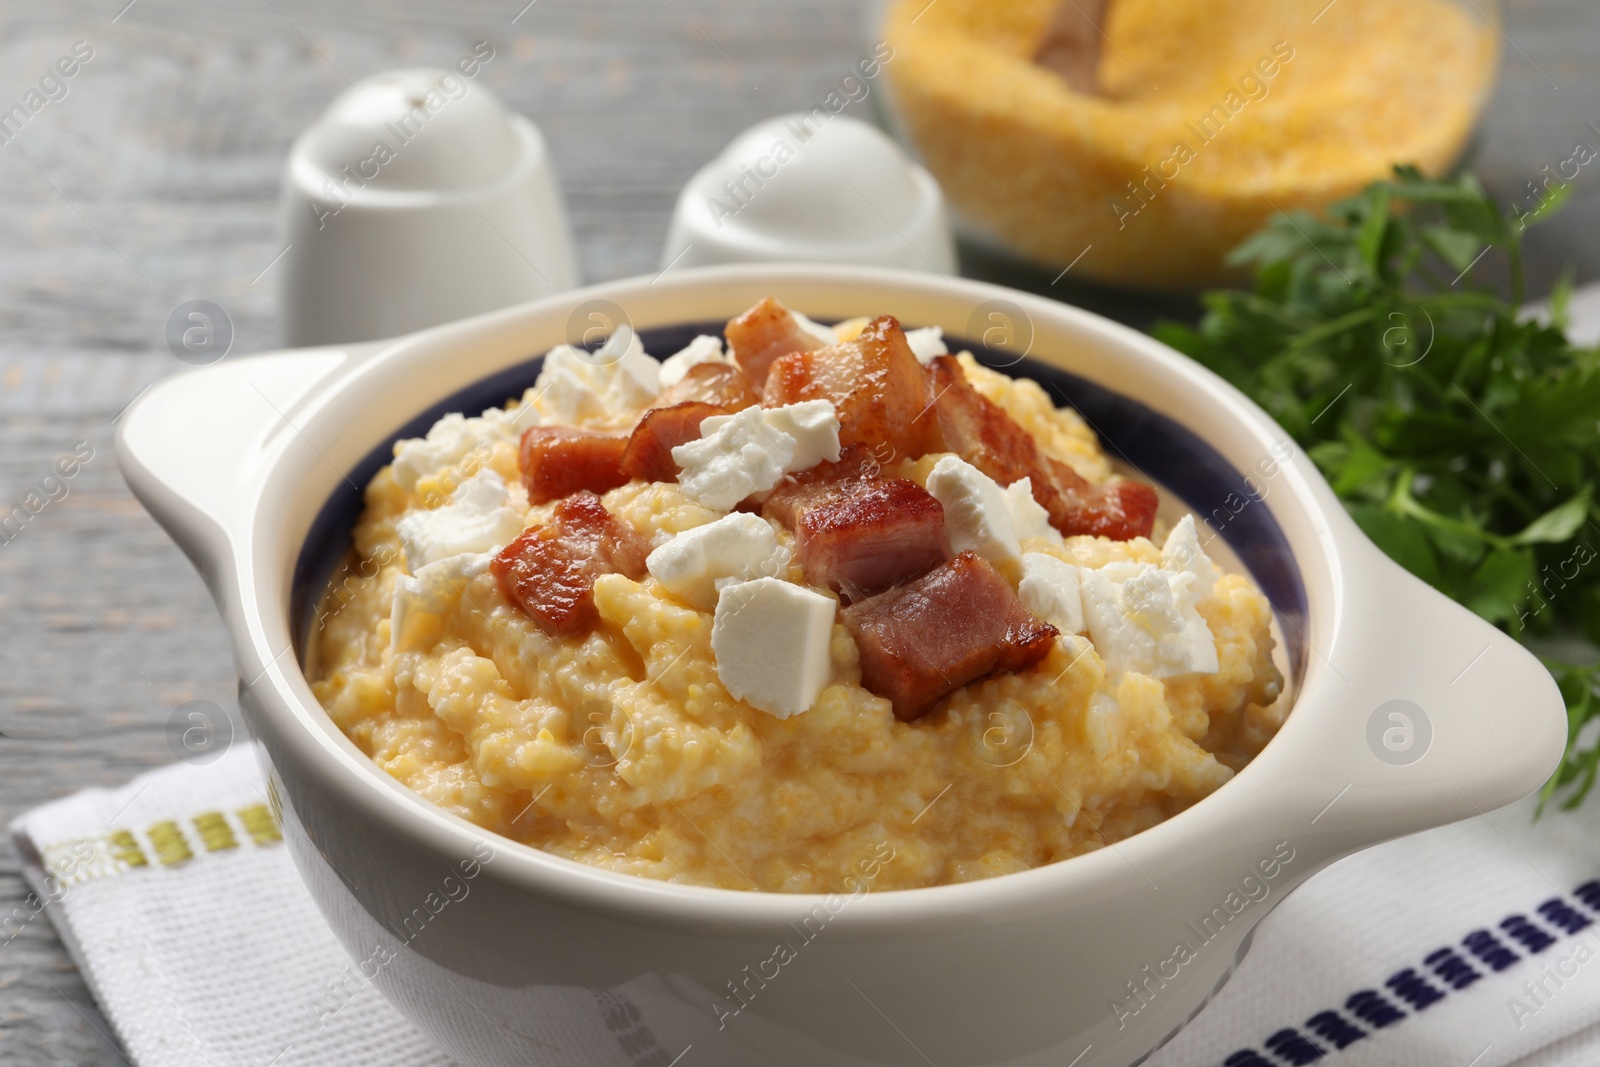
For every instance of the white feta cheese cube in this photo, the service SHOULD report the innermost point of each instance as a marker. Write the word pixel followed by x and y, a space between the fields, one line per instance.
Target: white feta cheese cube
pixel 453 438
pixel 750 451
pixel 926 343
pixel 737 547
pixel 1182 553
pixel 814 425
pixel 1049 589
pixel 433 591
pixel 822 333
pixel 512 421
pixel 743 454
pixel 448 441
pixel 475 520
pixel 1028 516
pixel 976 516
pixel 635 375
pixel 564 390
pixel 703 349
pixel 771 639
pixel 577 388
pixel 1142 618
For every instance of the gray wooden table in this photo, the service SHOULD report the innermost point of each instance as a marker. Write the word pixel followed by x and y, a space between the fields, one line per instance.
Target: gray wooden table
pixel 153 182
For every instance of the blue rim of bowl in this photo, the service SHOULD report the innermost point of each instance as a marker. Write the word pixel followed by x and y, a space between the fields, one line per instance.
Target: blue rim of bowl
pixel 1154 445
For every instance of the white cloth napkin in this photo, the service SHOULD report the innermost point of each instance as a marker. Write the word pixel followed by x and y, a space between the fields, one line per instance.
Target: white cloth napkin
pixel 1410 934
pixel 185 916
pixel 180 906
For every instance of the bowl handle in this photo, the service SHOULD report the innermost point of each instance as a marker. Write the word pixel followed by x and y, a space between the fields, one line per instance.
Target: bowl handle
pixel 1442 716
pixel 191 447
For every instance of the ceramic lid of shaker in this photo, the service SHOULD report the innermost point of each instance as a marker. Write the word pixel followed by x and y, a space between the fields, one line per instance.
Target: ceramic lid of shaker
pixel 438 128
pixel 848 179
pixel 798 187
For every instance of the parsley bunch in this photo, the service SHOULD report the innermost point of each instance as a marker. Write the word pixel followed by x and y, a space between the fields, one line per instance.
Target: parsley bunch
pixel 1462 435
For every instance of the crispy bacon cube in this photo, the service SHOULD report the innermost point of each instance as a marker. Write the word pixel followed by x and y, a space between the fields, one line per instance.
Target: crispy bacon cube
pixel 764 333
pixel 875 383
pixel 967 423
pixel 707 389
pixel 548 571
pixel 801 489
pixel 648 454
pixel 1117 510
pixel 786 503
pixel 558 461
pixel 863 536
pixel 977 429
pixel 921 641
pixel 722 384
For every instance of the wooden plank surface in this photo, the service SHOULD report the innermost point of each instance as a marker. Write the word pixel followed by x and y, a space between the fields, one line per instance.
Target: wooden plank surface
pixel 153 182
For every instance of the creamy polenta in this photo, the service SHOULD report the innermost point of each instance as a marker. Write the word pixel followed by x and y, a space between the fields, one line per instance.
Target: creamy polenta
pixel 621 747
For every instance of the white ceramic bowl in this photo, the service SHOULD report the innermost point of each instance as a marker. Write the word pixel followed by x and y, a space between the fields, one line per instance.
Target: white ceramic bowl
pixel 494 948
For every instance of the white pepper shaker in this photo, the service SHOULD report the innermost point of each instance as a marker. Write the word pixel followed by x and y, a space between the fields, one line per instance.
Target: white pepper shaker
pixel 812 187
pixel 415 199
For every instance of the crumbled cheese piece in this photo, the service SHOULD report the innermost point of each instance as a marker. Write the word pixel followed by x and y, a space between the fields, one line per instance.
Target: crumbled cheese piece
pixel 448 441
pixel 432 591
pixel 576 387
pixel 976 515
pixel 750 452
pixel 1028 516
pixel 771 640
pixel 1049 589
pixel 453 438
pixel 736 547
pixel 1142 618
pixel 511 421
pixel 814 425
pixel 822 333
pixel 475 520
pixel 1182 552
pixel 703 349
pixel 927 343
pixel 744 455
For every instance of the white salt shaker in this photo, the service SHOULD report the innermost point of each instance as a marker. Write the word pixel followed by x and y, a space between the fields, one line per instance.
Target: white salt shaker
pixel 415 199
pixel 812 187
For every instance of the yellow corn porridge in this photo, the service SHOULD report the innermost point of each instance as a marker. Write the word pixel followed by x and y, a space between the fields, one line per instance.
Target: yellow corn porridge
pixel 622 747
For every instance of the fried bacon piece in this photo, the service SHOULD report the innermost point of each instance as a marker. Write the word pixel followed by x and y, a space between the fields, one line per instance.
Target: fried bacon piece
pixel 558 461
pixel 875 383
pixel 787 502
pixel 817 484
pixel 764 333
pixel 707 389
pixel 1118 510
pixel 855 530
pixel 549 571
pixel 921 641
pixel 862 536
pixel 980 432
pixel 722 384
pixel 648 454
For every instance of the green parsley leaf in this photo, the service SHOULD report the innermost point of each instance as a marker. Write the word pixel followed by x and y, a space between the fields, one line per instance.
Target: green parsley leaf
pixel 1558 524
pixel 1462 434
